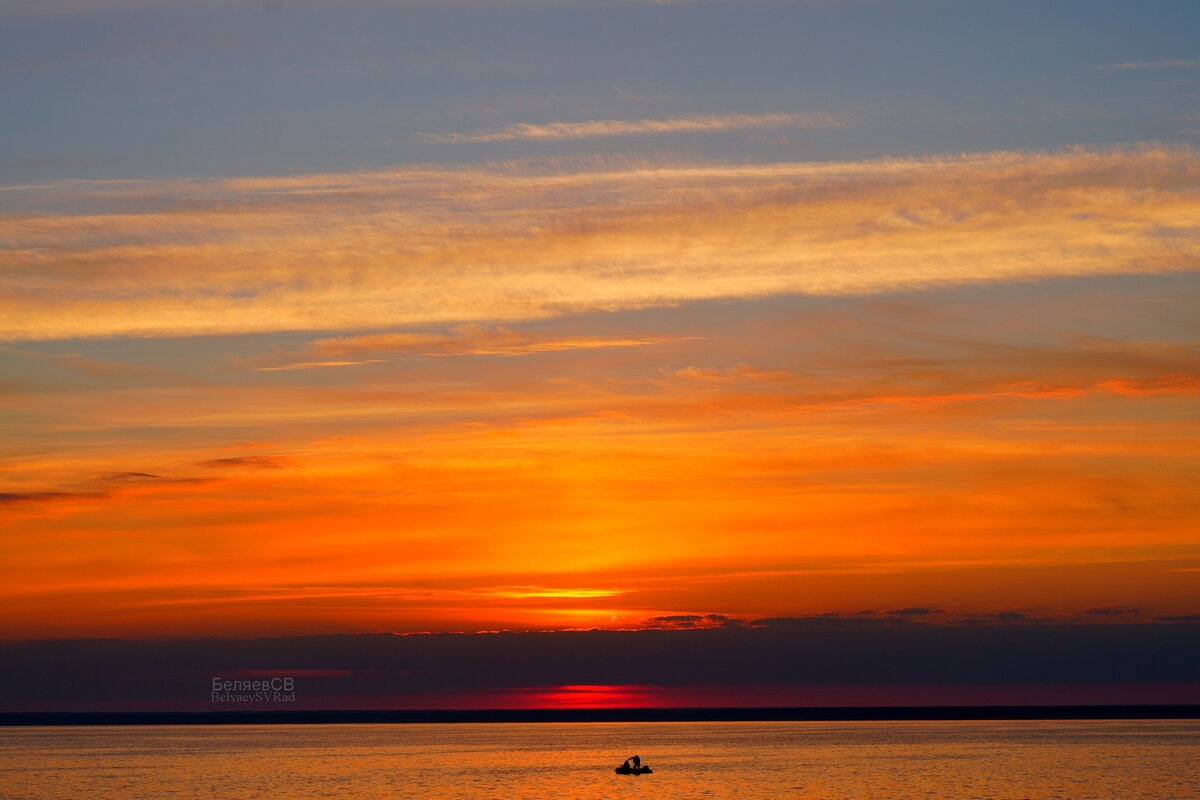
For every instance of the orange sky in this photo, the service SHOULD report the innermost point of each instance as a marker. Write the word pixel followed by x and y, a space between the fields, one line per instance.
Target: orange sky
pixel 596 396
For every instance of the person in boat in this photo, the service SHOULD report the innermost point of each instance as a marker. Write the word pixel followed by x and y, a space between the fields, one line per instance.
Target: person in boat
pixel 626 764
pixel 637 762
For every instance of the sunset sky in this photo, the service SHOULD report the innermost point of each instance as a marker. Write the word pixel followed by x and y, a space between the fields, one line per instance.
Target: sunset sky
pixel 369 317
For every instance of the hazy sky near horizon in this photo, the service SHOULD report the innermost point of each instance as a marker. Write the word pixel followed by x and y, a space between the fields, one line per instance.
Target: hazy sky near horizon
pixel 322 317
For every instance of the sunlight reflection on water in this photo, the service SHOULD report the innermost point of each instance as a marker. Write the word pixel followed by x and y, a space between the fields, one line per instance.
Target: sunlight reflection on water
pixel 1130 760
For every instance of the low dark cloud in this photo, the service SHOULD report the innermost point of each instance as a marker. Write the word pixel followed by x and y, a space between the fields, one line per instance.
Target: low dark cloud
pixel 252 462
pixel 693 621
pixel 48 497
pixel 911 612
pixel 380 669
pixel 111 484
pixel 833 618
pixel 117 480
pixel 1113 611
pixel 1009 618
pixel 1183 618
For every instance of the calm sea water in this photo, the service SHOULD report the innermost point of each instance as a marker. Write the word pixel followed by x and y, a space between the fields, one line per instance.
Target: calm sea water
pixel 1113 760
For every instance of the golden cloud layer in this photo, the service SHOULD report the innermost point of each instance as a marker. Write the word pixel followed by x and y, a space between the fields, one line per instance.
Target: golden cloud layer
pixel 514 241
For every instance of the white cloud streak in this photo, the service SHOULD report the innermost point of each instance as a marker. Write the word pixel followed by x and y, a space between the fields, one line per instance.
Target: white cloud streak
pixel 1166 63
pixel 510 242
pixel 599 128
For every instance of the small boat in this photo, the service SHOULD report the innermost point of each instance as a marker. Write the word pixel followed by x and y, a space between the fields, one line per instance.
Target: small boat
pixel 633 770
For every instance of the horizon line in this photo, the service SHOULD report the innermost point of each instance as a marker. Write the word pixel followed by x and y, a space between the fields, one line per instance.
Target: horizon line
pixel 616 714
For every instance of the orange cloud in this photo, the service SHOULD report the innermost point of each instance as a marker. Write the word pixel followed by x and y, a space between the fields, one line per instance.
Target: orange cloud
pixel 676 506
pixel 1140 387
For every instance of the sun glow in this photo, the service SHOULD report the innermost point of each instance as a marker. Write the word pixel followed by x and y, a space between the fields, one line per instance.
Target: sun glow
pixel 526 592
pixel 800 392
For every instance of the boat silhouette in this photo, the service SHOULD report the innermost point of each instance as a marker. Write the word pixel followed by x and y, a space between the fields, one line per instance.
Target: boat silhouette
pixel 623 770
pixel 633 766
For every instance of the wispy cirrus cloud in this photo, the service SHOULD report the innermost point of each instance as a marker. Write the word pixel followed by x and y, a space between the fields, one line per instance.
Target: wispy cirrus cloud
pixel 476 340
pixel 1165 63
pixel 491 244
pixel 597 128
pixel 318 365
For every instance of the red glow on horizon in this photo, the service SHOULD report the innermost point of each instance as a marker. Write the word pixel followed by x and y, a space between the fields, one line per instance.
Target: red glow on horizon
pixel 589 696
pixel 303 673
pixel 596 696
